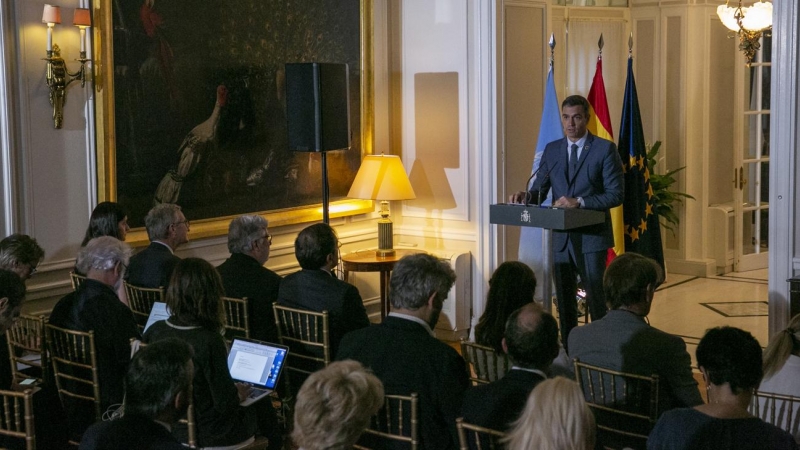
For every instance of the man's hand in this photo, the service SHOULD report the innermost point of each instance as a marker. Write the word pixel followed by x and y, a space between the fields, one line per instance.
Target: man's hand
pixel 518 197
pixel 244 391
pixel 567 202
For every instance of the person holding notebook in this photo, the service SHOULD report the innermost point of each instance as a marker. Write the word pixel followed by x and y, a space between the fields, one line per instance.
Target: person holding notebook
pixel 194 299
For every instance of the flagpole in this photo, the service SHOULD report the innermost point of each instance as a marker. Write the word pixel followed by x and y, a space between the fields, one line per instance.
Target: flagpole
pixel 547 234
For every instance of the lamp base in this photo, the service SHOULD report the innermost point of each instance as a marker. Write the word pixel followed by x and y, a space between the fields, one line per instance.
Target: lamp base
pixel 385 238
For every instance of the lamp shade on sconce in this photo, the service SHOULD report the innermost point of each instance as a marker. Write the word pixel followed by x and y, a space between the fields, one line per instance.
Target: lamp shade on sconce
pixel 382 177
pixel 82 17
pixel 51 14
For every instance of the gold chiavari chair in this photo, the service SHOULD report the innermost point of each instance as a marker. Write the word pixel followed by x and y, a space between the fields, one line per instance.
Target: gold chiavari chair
pixel 485 364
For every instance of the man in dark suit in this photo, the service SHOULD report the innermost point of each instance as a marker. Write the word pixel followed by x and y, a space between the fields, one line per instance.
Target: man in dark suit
pixel 404 354
pixel 157 392
pixel 96 307
pixel 167 228
pixel 584 171
pixel 244 274
pixel 316 288
pixel 531 342
pixel 624 341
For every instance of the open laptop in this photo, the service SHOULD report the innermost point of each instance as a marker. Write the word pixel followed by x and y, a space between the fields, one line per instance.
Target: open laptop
pixel 159 312
pixel 258 364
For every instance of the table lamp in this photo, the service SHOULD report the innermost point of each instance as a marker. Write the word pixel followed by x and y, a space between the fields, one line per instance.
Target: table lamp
pixel 382 177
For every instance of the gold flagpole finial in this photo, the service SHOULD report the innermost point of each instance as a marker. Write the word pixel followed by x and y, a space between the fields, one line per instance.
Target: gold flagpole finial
pixel 630 45
pixel 600 44
pixel 552 44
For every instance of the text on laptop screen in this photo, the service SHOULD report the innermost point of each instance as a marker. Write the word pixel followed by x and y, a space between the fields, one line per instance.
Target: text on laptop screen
pixel 255 363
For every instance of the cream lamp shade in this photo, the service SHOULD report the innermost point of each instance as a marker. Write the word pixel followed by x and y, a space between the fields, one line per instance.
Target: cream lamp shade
pixel 51 14
pixel 382 177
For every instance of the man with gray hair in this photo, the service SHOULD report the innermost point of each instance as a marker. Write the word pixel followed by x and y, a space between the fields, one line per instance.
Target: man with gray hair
pixel 167 228
pixel 20 254
pixel 244 274
pixel 405 355
pixel 96 307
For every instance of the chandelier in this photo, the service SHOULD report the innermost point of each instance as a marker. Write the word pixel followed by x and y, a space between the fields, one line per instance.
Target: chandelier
pixel 749 23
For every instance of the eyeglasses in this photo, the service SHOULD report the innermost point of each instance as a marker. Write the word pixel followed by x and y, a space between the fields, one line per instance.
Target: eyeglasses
pixel 268 238
pixel 182 221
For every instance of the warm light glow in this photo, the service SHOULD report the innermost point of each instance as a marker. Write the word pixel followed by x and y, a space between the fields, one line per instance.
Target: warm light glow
pixel 755 18
pixel 382 177
pixel 82 18
pixel 51 15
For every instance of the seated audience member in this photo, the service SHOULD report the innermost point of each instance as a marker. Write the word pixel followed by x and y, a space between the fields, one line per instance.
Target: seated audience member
pixel 167 228
pixel 511 287
pixel 624 341
pixel 108 219
pixel 244 274
pixel 531 341
pixel 556 417
pixel 334 406
pixel 782 366
pixel 316 288
pixel 730 361
pixel 96 307
pixel 12 293
pixel 194 299
pixel 20 254
pixel 157 393
pixel 404 354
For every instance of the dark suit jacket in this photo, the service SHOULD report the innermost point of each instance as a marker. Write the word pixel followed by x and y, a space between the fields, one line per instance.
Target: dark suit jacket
pixel 242 276
pixel 317 290
pixel 625 342
pixel 96 307
pixel 152 267
pixel 131 432
pixel 599 181
pixel 406 358
pixel 496 405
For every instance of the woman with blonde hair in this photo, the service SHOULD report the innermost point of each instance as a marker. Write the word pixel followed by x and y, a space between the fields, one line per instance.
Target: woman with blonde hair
pixel 556 417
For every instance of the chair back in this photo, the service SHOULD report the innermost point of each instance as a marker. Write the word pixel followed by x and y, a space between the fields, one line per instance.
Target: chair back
pixel 189 420
pixel 236 318
pixel 485 365
pixel 307 335
pixel 76 280
pixel 779 410
pixel 74 358
pixel 625 405
pixel 397 422
pixel 27 346
pixel 17 419
pixel 474 437
pixel 141 301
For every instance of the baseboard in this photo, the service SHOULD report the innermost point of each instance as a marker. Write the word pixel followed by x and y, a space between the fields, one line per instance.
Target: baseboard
pixel 698 268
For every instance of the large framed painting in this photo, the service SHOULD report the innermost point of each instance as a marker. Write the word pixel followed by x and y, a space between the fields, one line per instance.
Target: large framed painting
pixel 191 107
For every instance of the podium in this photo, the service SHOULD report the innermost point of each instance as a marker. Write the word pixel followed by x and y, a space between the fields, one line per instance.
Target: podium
pixel 549 219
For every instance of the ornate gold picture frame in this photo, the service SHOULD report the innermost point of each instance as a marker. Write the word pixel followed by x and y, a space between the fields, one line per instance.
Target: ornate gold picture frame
pixel 218 64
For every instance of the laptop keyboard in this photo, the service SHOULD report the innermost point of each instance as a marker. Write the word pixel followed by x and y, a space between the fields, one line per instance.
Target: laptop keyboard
pixel 256 392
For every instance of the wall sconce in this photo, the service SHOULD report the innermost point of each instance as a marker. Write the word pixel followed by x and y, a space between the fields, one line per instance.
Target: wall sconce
pixel 748 23
pixel 57 76
pixel 382 177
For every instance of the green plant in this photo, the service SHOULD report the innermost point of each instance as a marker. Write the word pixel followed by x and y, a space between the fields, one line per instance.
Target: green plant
pixel 664 197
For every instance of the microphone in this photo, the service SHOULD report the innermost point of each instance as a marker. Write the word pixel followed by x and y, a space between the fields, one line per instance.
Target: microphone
pixel 539 191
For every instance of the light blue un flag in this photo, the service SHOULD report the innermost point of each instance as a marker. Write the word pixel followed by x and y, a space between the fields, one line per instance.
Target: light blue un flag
pixel 530 239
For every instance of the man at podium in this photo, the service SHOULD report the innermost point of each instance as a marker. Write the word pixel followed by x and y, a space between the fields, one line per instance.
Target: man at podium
pixel 584 171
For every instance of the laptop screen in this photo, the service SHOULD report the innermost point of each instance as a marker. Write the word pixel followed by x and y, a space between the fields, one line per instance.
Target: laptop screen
pixel 256 362
pixel 159 312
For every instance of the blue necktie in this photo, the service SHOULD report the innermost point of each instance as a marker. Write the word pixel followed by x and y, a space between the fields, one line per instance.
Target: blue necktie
pixel 573 161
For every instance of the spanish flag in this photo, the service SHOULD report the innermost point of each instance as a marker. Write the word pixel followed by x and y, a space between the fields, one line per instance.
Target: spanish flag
pixel 600 125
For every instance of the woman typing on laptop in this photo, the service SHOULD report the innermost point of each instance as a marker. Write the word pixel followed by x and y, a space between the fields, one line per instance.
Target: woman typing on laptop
pixel 193 299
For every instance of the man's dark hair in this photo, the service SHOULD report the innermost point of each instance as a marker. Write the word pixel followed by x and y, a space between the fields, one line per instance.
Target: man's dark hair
pixel 532 344
pixel 416 277
pixel 313 245
pixel 20 249
pixel 157 373
pixel 577 100
pixel 730 355
pixel 11 287
pixel 627 278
